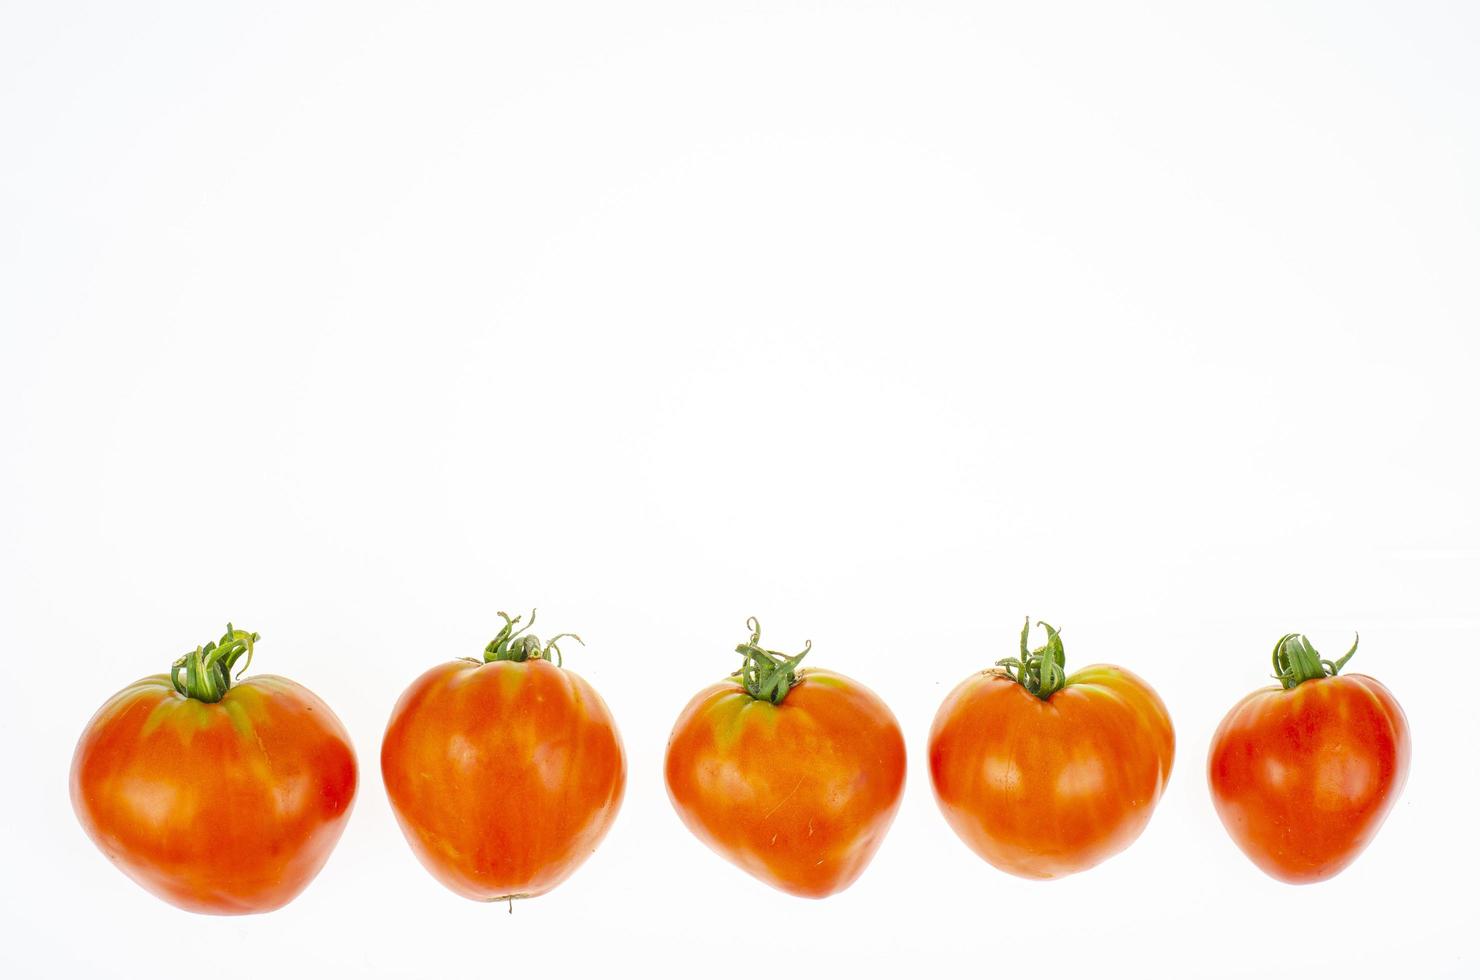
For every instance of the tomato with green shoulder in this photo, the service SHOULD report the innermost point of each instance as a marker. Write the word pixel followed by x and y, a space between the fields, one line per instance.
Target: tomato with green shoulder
pixel 218 796
pixel 1044 773
pixel 792 775
pixel 506 771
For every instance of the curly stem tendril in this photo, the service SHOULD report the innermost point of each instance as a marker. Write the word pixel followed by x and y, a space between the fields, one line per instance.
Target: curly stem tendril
pixel 1040 671
pixel 1296 661
pixel 207 669
pixel 767 675
pixel 519 645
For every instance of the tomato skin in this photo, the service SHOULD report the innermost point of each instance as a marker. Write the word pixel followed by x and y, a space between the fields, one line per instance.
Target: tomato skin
pixel 1044 789
pixel 1303 778
pixel 799 794
pixel 504 776
pixel 226 808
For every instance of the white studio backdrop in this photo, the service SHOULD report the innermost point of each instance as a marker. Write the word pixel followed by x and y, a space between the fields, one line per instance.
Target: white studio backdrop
pixel 889 323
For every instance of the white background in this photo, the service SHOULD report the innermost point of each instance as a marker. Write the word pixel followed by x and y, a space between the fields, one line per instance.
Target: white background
pixel 887 322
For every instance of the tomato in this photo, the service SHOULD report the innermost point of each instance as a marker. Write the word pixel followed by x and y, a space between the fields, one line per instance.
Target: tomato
pixel 794 776
pixel 1304 774
pixel 504 773
pixel 218 797
pixel 1045 774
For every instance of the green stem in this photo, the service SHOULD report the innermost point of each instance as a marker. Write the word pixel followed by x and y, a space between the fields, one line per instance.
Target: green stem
pixel 767 675
pixel 208 668
pixel 1296 661
pixel 519 646
pixel 1040 671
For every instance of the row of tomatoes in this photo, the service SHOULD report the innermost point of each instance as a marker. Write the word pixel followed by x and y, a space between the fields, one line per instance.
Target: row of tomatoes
pixel 505 772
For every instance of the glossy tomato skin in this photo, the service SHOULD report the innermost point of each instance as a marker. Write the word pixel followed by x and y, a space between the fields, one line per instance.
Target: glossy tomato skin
pixel 504 776
pixel 1044 789
pixel 799 794
pixel 1303 779
pixel 227 808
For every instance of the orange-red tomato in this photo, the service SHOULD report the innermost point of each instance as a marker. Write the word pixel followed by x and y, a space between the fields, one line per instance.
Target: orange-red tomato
pixel 505 773
pixel 1304 777
pixel 1046 786
pixel 797 789
pixel 225 806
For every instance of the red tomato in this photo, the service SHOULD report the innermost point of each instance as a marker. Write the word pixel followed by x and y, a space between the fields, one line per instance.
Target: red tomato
pixel 505 773
pixel 1303 775
pixel 1044 774
pixel 217 797
pixel 793 776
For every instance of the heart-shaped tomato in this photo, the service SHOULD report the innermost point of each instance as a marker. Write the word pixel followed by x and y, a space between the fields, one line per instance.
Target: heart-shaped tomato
pixel 794 776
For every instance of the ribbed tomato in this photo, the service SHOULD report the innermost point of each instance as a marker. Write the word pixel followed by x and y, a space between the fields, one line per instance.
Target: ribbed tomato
pixel 505 773
pixel 1303 775
pixel 217 797
pixel 794 776
pixel 1045 774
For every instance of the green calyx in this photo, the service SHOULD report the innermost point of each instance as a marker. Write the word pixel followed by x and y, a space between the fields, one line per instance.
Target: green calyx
pixel 767 675
pixel 518 645
pixel 1296 661
pixel 1040 671
pixel 207 669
